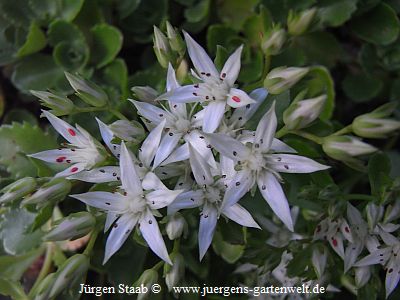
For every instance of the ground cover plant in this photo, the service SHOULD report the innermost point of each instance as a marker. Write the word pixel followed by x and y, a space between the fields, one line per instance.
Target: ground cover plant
pixel 153 145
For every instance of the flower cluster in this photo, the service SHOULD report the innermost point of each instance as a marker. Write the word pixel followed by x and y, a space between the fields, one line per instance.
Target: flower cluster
pixel 197 138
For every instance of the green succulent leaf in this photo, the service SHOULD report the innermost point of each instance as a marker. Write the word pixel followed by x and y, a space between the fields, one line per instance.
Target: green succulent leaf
pixel 35 41
pixel 378 26
pixel 106 43
pixel 361 87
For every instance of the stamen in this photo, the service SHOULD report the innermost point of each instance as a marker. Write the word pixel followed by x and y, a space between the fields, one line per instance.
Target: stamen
pixel 60 159
pixel 74 169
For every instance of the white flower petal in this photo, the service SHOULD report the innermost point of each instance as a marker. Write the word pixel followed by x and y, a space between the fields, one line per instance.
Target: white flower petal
pixel 289 163
pixel 70 133
pixel 113 202
pixel 208 222
pixel 110 219
pixel 129 177
pixel 200 59
pixel 242 114
pixel 336 242
pixel 379 256
pixel 240 184
pixel 150 145
pixel 161 198
pixel 57 156
pixel 213 115
pixel 151 233
pixel 151 112
pixel 318 259
pixel 227 167
pixel 172 83
pixel 240 215
pixel 362 276
pixel 185 200
pixel 118 235
pixel 152 182
pixel 201 170
pixel 231 68
pixel 392 277
pixel 107 136
pixel 279 146
pixel 266 128
pixel 346 231
pixel 238 98
pixel 74 169
pixel 228 146
pixel 98 175
pixel 181 153
pixel 168 143
pixel 201 144
pixel 272 192
pixel 183 94
pixel 351 254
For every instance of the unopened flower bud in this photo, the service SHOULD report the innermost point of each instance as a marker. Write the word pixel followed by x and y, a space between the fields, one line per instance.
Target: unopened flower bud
pixel 302 113
pixel 374 124
pixel 87 91
pixel 43 290
pixel 173 274
pixel 60 105
pixel 161 47
pixel 130 131
pixel 145 93
pixel 175 226
pixel 53 191
pixel 343 147
pixel 319 257
pixel 71 272
pixel 282 78
pixel 392 212
pixel 17 189
pixel 145 281
pixel 362 275
pixel 298 23
pixel 175 40
pixel 374 214
pixel 72 227
pixel 273 41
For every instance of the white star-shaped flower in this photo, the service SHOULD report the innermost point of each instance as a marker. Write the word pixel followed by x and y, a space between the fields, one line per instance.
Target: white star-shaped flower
pixel 136 205
pixel 215 88
pixel 259 163
pixel 210 197
pixel 180 125
pixel 83 151
pixel 388 256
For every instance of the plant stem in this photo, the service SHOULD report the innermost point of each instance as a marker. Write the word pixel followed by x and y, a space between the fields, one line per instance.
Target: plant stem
pixel 45 267
pixel 158 265
pixel 177 244
pixel 344 130
pixel 308 136
pixel 92 240
pixel 118 114
pixel 281 132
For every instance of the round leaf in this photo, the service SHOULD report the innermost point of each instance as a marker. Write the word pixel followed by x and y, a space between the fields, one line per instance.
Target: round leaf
pixel 107 41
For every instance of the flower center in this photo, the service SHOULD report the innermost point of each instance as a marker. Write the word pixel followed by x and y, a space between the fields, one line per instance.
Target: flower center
pixel 137 204
pixel 213 194
pixel 212 90
pixel 255 161
pixel 182 125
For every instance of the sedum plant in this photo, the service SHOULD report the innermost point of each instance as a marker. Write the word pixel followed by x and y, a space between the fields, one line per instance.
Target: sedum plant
pixel 237 171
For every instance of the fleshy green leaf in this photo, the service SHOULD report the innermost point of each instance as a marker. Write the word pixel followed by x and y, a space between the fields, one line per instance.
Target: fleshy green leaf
pixel 378 26
pixel 106 43
pixel 198 12
pixel 361 87
pixel 36 72
pixel 13 267
pixel 13 289
pixel 20 139
pixel 35 41
pixel 335 13
pixel 229 252
pixel 13 232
